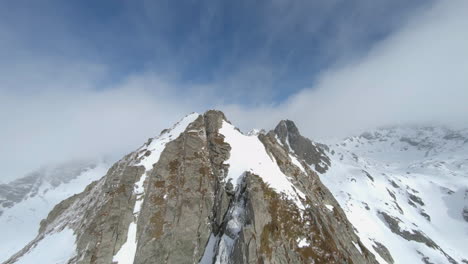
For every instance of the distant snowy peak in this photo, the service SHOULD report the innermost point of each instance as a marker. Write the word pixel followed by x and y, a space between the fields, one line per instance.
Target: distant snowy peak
pixel 204 192
pixel 256 132
pixel 428 140
pixel 405 190
pixel 44 179
pixel 25 202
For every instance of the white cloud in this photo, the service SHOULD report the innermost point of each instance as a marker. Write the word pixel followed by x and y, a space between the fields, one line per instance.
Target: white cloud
pixel 58 125
pixel 418 74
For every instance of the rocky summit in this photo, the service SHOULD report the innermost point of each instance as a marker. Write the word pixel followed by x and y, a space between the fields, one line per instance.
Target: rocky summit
pixel 203 192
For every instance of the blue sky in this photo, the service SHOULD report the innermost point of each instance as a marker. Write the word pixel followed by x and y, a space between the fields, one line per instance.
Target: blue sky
pixel 279 46
pixel 80 79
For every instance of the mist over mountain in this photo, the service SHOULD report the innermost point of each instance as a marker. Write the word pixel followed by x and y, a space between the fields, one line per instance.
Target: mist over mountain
pixel 71 90
pixel 204 192
pixel 340 133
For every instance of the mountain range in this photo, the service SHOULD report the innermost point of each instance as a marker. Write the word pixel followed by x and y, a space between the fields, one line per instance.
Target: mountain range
pixel 204 192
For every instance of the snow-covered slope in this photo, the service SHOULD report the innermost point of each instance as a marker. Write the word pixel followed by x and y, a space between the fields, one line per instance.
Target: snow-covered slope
pixel 28 200
pixel 204 192
pixel 249 154
pixel 405 189
pixel 54 249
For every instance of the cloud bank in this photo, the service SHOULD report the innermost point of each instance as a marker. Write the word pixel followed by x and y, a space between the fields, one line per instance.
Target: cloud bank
pixel 418 74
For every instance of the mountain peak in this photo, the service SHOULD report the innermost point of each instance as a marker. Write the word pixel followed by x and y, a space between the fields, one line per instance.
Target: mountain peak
pixel 215 113
pixel 203 192
pixel 314 155
pixel 286 127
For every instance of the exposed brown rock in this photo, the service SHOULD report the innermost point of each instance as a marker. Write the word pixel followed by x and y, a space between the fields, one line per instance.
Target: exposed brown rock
pixel 312 153
pixel 187 202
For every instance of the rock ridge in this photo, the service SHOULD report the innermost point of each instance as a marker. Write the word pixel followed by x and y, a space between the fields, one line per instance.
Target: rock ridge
pixel 170 202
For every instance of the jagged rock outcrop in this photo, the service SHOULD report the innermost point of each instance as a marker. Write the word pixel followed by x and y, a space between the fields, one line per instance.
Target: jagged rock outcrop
pixel 312 153
pixel 174 200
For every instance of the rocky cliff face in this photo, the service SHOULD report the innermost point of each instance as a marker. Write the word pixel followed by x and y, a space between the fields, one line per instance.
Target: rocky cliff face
pixel 203 192
pixel 312 153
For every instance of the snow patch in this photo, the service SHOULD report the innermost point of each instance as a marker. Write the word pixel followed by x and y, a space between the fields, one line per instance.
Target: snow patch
pixel 255 132
pixel 126 254
pixel 248 154
pixel 356 245
pixel 56 248
pixel 297 163
pixel 302 243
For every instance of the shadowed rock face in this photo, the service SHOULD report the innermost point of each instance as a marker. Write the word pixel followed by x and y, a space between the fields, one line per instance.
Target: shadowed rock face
pixel 312 153
pixel 189 214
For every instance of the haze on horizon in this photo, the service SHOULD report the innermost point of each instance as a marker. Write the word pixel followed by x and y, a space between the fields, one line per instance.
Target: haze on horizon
pixel 88 79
